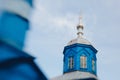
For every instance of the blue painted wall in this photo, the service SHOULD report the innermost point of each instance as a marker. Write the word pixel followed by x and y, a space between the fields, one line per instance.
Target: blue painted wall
pixel 13 29
pixel 18 65
pixel 19 72
pixel 77 50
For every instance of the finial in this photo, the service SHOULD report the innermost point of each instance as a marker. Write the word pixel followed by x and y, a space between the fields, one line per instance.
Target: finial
pixel 80 20
pixel 80 27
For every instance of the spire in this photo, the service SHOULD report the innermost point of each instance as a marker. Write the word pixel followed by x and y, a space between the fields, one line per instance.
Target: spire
pixel 80 27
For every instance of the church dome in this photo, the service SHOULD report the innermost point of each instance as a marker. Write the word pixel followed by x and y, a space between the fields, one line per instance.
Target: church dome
pixel 79 62
pixel 80 40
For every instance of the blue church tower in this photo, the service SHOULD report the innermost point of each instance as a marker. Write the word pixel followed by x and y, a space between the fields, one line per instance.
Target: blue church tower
pixel 80 62
pixel 15 63
pixel 80 55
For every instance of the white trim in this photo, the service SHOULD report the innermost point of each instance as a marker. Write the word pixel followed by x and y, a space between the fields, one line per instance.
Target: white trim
pixel 19 7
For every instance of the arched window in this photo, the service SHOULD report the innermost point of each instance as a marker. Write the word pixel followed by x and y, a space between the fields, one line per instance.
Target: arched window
pixel 93 65
pixel 71 63
pixel 83 62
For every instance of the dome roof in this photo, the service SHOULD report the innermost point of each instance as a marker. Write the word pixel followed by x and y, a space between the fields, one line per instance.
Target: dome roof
pixel 76 75
pixel 80 40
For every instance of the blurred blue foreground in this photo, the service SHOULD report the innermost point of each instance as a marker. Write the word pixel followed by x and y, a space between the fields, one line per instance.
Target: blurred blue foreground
pixel 15 64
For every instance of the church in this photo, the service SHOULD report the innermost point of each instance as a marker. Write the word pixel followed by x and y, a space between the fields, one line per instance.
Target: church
pixel 79 61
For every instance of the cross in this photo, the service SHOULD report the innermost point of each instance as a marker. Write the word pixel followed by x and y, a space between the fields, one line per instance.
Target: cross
pixel 80 20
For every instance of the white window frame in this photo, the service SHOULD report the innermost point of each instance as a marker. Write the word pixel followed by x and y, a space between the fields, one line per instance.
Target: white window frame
pixel 93 65
pixel 83 62
pixel 71 62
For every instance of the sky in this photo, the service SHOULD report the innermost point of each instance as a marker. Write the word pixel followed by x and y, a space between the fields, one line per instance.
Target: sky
pixel 53 25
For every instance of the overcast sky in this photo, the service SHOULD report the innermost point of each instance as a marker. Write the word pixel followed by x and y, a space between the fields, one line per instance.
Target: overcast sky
pixel 53 25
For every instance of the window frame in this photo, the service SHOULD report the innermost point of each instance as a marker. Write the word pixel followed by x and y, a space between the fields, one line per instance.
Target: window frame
pixel 93 65
pixel 83 62
pixel 71 62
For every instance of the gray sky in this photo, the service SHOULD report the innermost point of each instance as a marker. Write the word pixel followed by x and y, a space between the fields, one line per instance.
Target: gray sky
pixel 53 25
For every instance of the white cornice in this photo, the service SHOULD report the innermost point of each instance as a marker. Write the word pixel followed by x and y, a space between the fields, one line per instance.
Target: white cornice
pixel 19 7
